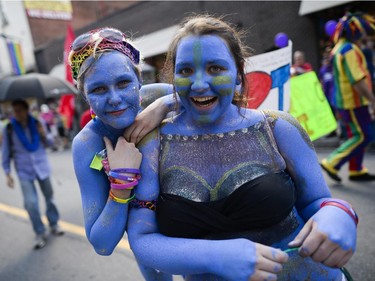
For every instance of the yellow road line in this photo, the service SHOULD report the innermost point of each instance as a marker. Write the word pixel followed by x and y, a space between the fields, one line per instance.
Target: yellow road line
pixel 68 227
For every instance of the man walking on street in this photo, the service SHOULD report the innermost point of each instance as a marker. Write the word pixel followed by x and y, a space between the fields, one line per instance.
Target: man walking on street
pixel 353 97
pixel 23 141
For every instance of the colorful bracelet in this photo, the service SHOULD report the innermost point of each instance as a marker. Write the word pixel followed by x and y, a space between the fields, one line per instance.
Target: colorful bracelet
pixel 116 181
pixel 128 185
pixel 345 206
pixel 119 176
pixel 119 200
pixel 127 170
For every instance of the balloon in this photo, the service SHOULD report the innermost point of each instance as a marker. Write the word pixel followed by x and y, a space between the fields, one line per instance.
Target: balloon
pixel 330 27
pixel 281 40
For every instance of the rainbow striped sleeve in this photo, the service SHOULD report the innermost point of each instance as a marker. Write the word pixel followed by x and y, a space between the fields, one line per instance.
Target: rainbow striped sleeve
pixel 354 65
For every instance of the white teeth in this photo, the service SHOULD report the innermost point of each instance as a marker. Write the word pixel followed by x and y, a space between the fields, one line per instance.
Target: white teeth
pixel 202 99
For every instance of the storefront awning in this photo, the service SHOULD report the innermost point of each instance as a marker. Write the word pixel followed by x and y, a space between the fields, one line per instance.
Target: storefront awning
pixel 312 6
pixel 155 43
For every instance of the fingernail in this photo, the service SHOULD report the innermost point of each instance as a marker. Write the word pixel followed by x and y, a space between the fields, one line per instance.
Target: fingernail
pixel 291 242
pixel 304 251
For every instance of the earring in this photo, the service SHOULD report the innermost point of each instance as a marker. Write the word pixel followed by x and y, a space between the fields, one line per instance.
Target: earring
pixel 238 80
pixel 92 113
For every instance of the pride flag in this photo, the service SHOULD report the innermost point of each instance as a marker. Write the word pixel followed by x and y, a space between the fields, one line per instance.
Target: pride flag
pixel 15 55
pixel 66 107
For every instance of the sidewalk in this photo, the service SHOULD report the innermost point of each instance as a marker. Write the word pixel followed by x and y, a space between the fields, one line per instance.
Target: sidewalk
pixel 69 257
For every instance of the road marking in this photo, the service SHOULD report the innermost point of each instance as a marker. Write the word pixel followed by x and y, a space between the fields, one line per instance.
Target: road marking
pixel 66 226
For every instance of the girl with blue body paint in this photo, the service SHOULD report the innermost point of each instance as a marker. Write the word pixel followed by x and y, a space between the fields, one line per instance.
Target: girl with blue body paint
pixel 106 69
pixel 233 187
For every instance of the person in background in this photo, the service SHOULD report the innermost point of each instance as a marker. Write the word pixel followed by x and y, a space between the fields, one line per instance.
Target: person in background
pixel 85 118
pixel 226 194
pixel 300 66
pixel 24 140
pixel 48 116
pixel 353 97
pixel 62 137
pixel 326 79
pixel 325 76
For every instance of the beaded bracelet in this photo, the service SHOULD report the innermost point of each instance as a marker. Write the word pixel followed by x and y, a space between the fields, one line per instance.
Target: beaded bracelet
pixel 128 185
pixel 119 200
pixel 346 207
pixel 139 204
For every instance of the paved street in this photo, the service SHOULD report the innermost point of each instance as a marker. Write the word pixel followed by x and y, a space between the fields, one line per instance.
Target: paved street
pixel 70 257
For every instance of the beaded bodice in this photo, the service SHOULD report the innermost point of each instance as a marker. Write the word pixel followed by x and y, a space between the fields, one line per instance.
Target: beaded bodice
pixel 210 167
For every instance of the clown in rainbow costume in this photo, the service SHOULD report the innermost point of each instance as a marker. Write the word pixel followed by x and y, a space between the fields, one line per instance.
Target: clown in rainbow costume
pixel 352 98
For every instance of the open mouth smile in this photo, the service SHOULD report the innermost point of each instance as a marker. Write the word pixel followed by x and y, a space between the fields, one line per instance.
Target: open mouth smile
pixel 203 101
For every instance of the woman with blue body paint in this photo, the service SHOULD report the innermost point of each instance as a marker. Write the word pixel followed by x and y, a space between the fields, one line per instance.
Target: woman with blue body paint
pixel 233 187
pixel 106 68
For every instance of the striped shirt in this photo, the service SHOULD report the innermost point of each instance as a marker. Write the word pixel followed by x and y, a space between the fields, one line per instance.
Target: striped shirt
pixel 349 67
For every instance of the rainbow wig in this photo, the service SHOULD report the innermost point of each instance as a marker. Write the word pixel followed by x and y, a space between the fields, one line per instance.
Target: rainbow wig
pixel 353 26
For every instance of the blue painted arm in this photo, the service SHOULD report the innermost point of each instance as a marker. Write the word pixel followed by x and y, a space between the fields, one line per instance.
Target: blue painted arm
pixel 232 259
pixel 151 92
pixel 302 164
pixel 105 220
pixel 336 225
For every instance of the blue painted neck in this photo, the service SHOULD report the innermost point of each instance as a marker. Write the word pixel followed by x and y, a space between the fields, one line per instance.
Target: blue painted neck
pixel 228 121
pixel 107 130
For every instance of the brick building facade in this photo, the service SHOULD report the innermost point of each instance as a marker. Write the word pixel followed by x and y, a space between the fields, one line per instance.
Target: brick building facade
pixel 262 20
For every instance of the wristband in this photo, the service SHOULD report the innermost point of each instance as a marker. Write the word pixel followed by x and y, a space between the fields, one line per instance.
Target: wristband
pixel 119 176
pixel 127 170
pixel 343 206
pixel 119 200
pixel 129 185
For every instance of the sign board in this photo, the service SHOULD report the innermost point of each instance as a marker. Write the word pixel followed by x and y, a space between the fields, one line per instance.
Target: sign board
pixel 57 10
pixel 310 107
pixel 268 78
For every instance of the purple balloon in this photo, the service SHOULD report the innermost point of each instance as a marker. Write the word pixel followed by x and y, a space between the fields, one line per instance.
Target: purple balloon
pixel 330 27
pixel 281 40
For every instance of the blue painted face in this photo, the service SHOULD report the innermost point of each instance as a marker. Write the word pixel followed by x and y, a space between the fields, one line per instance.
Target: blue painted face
pixel 205 77
pixel 112 90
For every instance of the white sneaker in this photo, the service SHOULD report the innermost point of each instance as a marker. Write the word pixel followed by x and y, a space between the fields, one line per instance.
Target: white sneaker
pixel 40 241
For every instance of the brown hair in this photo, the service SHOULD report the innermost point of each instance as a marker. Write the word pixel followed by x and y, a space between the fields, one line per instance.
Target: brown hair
pixel 209 25
pixel 20 102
